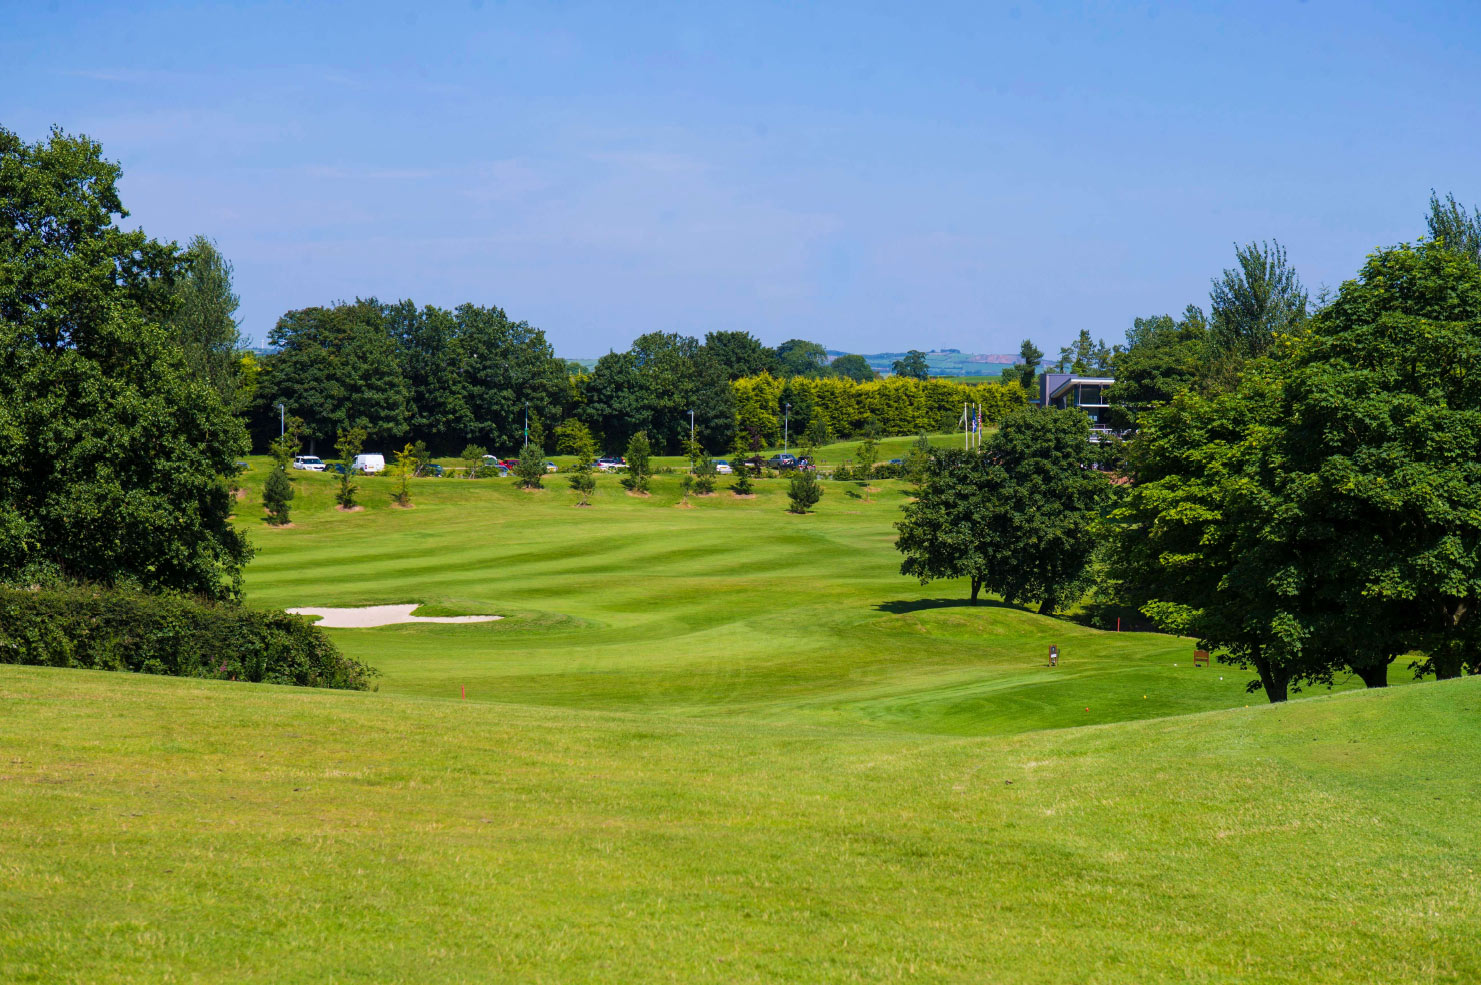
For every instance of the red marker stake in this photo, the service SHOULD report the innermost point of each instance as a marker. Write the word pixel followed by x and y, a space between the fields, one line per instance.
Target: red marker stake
pixel 464 689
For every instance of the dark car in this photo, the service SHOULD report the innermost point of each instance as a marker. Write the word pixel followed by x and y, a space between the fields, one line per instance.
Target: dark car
pixel 897 461
pixel 782 462
pixel 338 468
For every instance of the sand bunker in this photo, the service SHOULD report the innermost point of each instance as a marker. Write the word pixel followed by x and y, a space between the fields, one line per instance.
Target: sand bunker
pixel 367 616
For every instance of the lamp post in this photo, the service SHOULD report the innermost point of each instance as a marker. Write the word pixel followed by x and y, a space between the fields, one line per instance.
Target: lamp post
pixel 282 427
pixel 691 429
pixel 527 423
pixel 786 426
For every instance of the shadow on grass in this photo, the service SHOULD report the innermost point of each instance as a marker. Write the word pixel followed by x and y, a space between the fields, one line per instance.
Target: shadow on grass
pixel 902 606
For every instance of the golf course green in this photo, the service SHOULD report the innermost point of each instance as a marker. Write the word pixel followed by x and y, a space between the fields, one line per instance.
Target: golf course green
pixel 718 742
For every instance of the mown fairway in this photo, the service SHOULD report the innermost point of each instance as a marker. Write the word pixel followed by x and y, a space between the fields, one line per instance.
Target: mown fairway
pixel 732 608
pixel 719 744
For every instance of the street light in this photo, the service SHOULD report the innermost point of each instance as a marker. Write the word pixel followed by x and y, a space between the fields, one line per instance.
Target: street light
pixel 786 426
pixel 691 427
pixel 527 423
pixel 282 427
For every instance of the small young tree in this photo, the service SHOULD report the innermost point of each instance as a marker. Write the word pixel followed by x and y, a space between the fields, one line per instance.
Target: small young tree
pixel 421 457
pixel 403 470
pixel 639 465
pixel 742 485
pixel 283 448
pixel 582 445
pixel 276 494
pixel 349 445
pixel 472 456
pixel 704 478
pixel 686 484
pixel 868 454
pixel 531 466
pixel 694 451
pixel 804 491
pixel 816 434
pixel 917 461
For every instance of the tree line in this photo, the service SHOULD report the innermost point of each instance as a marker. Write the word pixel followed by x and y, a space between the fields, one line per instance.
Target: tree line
pixel 1300 487
pixel 473 375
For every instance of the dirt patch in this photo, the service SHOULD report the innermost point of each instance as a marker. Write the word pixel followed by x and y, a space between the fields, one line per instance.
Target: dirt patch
pixel 281 526
pixel 744 495
pixel 403 506
pixel 639 495
pixel 241 494
pixel 683 506
pixel 536 489
pixel 581 506
pixel 350 509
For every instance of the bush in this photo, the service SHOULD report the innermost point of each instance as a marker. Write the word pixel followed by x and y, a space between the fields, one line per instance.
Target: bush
pixel 276 494
pixel 530 468
pixel 117 629
pixel 804 491
pixel 842 473
pixel 742 485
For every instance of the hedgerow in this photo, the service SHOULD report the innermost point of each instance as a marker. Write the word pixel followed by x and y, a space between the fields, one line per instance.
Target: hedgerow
pixel 119 629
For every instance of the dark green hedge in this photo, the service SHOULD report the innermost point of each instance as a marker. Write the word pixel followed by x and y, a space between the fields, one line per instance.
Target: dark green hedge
pixel 112 629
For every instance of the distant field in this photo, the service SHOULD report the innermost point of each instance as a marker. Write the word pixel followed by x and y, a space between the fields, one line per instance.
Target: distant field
pixel 719 744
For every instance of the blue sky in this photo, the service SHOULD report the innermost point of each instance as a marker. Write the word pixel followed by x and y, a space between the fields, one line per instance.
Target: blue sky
pixel 870 176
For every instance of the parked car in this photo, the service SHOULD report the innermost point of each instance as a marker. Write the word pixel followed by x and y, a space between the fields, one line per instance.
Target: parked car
pixel 551 467
pixel 897 461
pixel 608 463
pixel 308 463
pixel 369 464
pixel 337 468
pixel 722 467
pixel 432 470
pixel 782 462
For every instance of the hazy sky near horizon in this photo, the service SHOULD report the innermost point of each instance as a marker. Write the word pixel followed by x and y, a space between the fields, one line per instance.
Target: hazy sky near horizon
pixel 870 176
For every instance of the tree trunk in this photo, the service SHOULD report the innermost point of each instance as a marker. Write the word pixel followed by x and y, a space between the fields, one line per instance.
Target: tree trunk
pixel 1047 607
pixel 976 587
pixel 1447 662
pixel 1373 675
pixel 1274 679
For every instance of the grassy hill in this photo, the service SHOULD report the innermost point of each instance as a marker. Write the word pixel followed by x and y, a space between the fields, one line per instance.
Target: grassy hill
pixel 718 744
pixel 171 830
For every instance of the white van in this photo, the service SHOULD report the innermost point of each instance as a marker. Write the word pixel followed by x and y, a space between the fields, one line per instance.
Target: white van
pixel 370 464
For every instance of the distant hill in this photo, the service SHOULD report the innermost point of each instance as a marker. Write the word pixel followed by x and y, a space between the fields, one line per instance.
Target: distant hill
pixel 943 362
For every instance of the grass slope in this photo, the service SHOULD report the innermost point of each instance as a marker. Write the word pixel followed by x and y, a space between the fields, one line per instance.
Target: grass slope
pixel 163 830
pixel 731 608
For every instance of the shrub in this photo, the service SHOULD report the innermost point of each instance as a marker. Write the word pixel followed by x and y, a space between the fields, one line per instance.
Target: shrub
pixel 179 635
pixel 531 466
pixel 638 468
pixel 276 494
pixel 742 485
pixel 842 473
pixel 472 456
pixel 704 480
pixel 804 491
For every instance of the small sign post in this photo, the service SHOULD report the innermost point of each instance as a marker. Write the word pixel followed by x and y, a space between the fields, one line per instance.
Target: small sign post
pixel 1053 655
pixel 1200 657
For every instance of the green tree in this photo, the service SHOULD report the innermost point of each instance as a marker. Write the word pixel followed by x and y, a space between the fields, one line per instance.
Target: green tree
pixel 639 464
pixel 686 485
pixel 530 468
pixel 1027 369
pixel 583 480
pixel 402 471
pixel 114 457
pixel 351 442
pixel 865 457
pixel 1162 358
pixel 798 357
pixel 1255 301
pixel 742 485
pixel 1449 223
pixel 1382 463
pixel 853 367
pixel 1193 544
pixel 1085 355
pixel 918 461
pixel 740 354
pixel 912 366
pixel 804 491
pixel 472 457
pixel 816 434
pixel 572 437
pixel 277 493
pixel 704 476
pixel 204 319
pixel 339 367
pixel 1018 518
